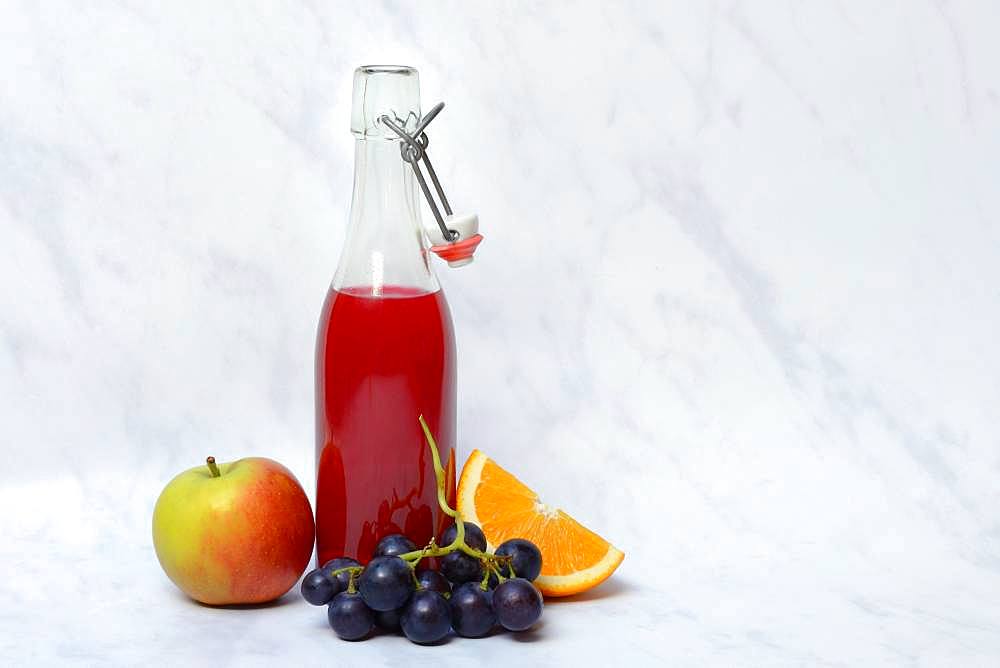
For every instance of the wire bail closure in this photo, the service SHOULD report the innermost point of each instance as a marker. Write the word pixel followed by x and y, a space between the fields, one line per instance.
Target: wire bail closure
pixel 459 233
pixel 414 149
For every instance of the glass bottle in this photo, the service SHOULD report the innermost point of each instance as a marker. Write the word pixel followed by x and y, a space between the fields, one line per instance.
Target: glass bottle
pixel 385 350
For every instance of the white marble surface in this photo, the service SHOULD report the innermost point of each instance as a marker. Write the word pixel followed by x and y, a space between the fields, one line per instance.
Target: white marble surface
pixel 740 283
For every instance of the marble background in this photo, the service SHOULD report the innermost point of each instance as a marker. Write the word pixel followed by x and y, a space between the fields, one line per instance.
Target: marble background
pixel 737 310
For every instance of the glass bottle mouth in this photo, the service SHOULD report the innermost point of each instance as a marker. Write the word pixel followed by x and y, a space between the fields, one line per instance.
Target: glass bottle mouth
pixel 393 90
pixel 387 69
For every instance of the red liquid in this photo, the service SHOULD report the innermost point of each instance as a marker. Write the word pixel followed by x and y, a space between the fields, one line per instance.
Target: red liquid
pixel 381 362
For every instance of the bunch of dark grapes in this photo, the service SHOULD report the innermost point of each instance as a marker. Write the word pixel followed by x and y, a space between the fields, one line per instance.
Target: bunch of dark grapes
pixel 468 595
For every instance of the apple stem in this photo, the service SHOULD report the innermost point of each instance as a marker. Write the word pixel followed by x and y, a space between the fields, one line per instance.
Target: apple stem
pixel 212 467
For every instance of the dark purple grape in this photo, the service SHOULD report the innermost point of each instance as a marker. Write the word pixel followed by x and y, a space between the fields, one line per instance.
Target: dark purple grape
pixel 517 603
pixel 434 581
pixel 318 587
pixel 426 618
pixel 527 558
pixel 341 562
pixel 394 545
pixel 386 583
pixel 474 536
pixel 388 619
pixel 460 567
pixel 472 614
pixel 349 617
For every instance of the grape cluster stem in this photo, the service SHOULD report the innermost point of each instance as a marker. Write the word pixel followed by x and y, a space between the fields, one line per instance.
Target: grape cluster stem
pixel 491 563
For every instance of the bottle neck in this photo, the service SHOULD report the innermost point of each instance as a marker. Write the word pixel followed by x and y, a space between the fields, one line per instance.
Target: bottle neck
pixel 385 252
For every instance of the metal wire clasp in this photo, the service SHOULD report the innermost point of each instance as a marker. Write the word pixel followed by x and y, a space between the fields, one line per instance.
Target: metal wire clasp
pixel 414 149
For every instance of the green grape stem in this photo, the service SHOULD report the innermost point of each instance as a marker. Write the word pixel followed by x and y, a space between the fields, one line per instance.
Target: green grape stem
pixel 438 471
pixel 355 571
pixel 488 560
pixel 492 564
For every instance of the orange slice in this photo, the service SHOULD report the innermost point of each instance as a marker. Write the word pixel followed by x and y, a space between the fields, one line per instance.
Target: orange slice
pixel 574 558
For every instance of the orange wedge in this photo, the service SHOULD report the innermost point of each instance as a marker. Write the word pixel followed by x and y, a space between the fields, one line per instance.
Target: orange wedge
pixel 574 558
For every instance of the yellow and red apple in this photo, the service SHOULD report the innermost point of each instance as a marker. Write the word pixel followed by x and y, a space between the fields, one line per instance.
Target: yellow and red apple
pixel 240 532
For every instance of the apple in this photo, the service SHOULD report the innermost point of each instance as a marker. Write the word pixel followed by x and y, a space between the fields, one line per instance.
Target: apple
pixel 240 532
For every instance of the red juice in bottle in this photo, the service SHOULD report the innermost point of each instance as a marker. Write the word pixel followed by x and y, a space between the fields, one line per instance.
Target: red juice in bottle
pixel 385 350
pixel 380 362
